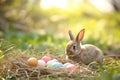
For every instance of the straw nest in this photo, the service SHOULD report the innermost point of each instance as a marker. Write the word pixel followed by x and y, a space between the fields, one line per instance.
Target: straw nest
pixel 15 66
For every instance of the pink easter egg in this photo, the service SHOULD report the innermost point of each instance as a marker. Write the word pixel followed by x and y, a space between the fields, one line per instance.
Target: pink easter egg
pixel 46 58
pixel 41 63
pixel 71 67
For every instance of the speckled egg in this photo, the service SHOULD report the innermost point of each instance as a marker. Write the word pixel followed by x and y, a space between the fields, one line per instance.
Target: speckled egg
pixel 32 61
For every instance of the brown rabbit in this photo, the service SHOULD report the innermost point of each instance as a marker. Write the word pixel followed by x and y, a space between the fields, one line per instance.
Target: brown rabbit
pixel 82 53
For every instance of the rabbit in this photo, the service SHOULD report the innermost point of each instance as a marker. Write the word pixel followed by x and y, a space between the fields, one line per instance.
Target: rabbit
pixel 82 53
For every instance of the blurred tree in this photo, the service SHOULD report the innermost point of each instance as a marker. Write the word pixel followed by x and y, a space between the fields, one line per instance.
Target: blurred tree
pixel 19 15
pixel 116 4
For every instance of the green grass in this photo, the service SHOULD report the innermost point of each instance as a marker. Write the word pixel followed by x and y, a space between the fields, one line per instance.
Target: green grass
pixel 42 44
pixel 23 40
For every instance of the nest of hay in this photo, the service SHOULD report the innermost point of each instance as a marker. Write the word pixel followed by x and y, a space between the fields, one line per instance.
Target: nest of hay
pixel 18 68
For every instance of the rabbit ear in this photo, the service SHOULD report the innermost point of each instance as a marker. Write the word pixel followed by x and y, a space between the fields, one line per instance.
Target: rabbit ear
pixel 71 35
pixel 80 35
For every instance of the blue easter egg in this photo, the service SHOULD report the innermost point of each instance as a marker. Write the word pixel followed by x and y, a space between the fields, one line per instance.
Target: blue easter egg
pixel 57 65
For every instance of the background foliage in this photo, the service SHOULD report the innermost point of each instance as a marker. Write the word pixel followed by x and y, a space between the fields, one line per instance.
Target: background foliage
pixel 25 23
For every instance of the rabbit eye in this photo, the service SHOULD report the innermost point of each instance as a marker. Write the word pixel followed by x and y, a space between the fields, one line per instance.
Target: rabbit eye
pixel 73 47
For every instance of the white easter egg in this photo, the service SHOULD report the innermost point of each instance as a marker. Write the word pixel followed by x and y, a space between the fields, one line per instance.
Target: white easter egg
pixel 66 64
pixel 41 63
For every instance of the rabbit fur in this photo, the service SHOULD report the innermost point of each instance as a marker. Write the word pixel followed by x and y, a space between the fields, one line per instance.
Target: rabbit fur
pixel 82 53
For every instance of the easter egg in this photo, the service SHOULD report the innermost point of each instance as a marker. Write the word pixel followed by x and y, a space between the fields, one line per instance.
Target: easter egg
pixel 55 60
pixel 57 65
pixel 49 63
pixel 71 67
pixel 66 64
pixel 46 58
pixel 32 61
pixel 41 63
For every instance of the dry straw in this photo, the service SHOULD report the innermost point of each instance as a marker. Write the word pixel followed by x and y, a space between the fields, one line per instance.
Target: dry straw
pixel 15 65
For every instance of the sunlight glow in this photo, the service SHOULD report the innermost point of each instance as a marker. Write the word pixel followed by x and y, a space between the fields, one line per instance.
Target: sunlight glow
pixel 103 5
pixel 46 4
